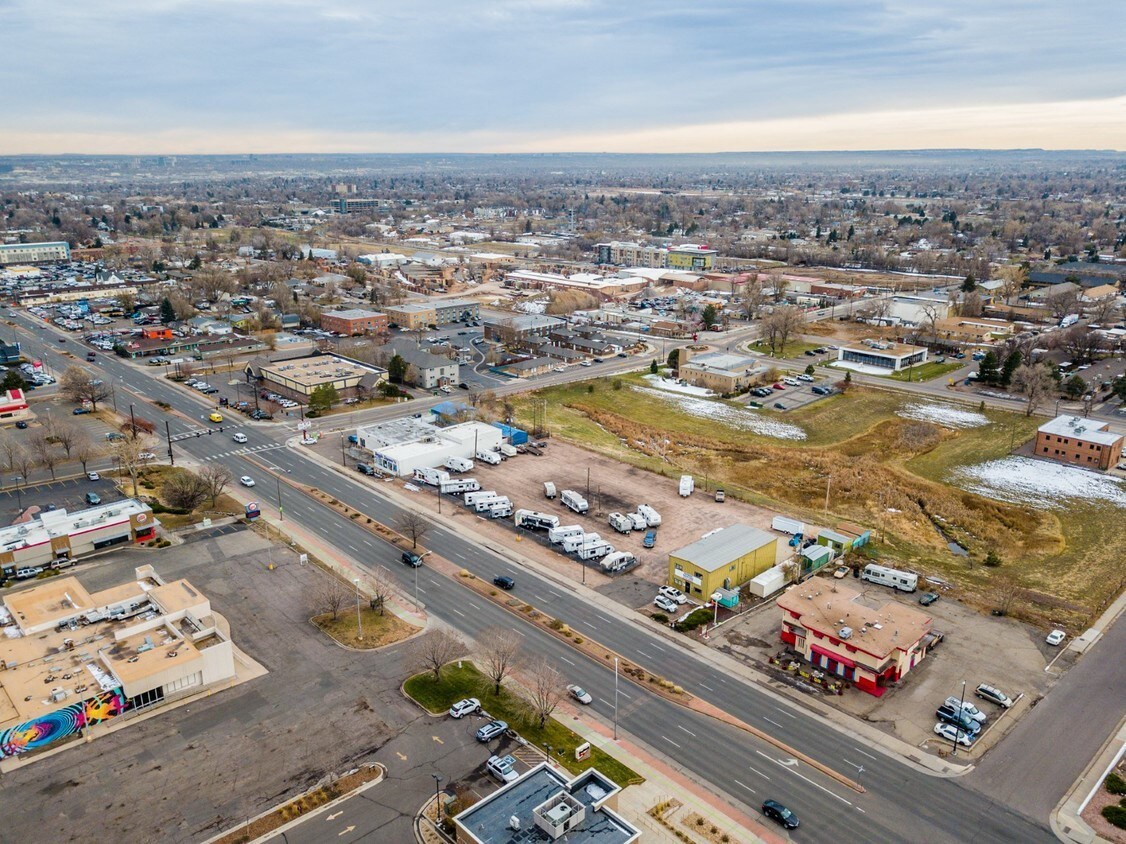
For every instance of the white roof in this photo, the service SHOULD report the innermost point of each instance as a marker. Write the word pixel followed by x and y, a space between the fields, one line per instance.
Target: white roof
pixel 1076 427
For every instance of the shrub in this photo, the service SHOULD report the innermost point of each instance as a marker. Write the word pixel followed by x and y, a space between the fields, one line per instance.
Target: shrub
pixel 590 388
pixel 992 560
pixel 1115 784
pixel 617 385
pixel 661 617
pixel 579 640
pixel 1116 815
pixel 556 624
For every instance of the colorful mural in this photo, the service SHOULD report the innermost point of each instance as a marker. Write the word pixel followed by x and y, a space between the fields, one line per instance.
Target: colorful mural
pixel 32 735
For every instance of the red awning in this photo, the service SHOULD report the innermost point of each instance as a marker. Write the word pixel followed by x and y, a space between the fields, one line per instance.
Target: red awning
pixel 843 660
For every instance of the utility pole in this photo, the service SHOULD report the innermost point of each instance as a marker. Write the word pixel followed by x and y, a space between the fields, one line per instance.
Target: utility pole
pixel 615 698
pixel 588 482
pixel 828 483
pixel 961 715
pixel 133 421
pixel 359 621
pixel 168 434
pixel 342 461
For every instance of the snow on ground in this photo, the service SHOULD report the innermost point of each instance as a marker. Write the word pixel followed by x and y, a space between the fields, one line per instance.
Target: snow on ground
pixel 1022 480
pixel 943 414
pixel 674 386
pixel 744 420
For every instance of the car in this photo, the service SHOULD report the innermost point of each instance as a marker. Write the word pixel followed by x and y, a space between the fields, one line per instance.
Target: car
pixel 62 339
pixel 805 377
pixel 967 709
pixel 820 391
pixel 411 559
pixel 598 360
pixel 560 369
pixel 1056 637
pixel 468 706
pixel 584 363
pixel 93 498
pixel 793 382
pixel 239 438
pixel 216 417
pixel 673 594
pixel 663 603
pixel 580 694
pixel 146 455
pixel 622 355
pixel 503 581
pixel 809 353
pixel 503 768
pixel 78 411
pixel 91 356
pixel 993 695
pixel 650 539
pixel 246 480
pixel 491 731
pixel 928 598
pixel 777 387
pixel 952 733
pixel 720 496
pixel 21 425
pixel 463 386
pixel 841 572
pixel 777 812
pixel 779 406
pixel 93 476
pixel 952 715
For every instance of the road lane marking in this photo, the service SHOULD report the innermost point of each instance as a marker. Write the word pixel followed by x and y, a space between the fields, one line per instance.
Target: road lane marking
pixel 775 723
pixel 760 773
pixel 568 661
pixel 706 686
pixel 744 786
pixel 784 712
pixel 540 598
pixel 658 647
pixel 670 741
pixel 459 612
pixel 334 815
pixel 686 730
pixel 786 766
pixel 869 755
pixel 346 830
pixel 644 654
pixel 588 624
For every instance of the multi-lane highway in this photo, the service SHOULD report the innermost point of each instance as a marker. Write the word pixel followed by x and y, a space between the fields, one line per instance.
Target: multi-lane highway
pixel 901 803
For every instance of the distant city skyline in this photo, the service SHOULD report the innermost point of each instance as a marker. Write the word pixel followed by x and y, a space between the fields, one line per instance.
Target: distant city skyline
pixel 266 76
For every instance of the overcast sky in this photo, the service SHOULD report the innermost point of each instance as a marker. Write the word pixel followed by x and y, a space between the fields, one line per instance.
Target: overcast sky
pixel 180 76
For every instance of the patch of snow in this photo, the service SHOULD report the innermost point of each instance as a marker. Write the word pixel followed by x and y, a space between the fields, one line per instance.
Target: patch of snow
pixel 943 414
pixel 743 420
pixel 1022 480
pixel 674 386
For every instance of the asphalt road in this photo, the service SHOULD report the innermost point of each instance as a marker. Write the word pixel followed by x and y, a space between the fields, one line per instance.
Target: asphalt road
pixel 902 804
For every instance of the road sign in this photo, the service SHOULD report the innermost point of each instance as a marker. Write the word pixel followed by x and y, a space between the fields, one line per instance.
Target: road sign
pixel 582 752
pixel 304 426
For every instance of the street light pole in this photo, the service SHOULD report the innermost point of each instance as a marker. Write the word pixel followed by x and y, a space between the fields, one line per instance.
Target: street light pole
pixel 961 715
pixel 615 698
pixel 342 462
pixel 281 512
pixel 359 621
pixel 437 795
pixel 19 497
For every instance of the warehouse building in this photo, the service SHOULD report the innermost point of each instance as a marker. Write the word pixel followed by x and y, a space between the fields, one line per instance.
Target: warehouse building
pixel 74 660
pixel 34 253
pixel 723 559
pixel 401 446
pixel 298 378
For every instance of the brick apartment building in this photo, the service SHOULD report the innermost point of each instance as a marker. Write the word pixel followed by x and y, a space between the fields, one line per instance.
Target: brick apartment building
pixel 1082 442
pixel 352 321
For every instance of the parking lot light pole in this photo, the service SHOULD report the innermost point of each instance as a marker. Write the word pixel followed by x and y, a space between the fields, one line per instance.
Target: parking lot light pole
pixel 437 795
pixel 19 496
pixel 961 715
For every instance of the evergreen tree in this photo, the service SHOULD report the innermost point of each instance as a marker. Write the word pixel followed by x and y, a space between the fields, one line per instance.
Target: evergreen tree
pixel 167 312
pixel 987 371
pixel 1012 361
pixel 1074 387
pixel 653 367
pixel 970 284
pixel 397 369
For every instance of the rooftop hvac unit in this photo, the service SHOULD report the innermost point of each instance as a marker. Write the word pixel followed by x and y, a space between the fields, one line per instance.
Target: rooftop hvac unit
pixel 514 823
pixel 846 632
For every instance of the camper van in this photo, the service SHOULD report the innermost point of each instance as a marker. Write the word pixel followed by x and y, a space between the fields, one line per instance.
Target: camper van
pixel 557 534
pixel 901 580
pixel 532 520
pixel 621 523
pixel 687 485
pixel 459 464
pixel 574 501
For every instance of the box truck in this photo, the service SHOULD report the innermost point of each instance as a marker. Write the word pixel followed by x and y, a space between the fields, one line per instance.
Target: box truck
pixel 620 523
pixel 459 464
pixel 574 501
pixel 459 485
pixel 901 580
pixel 687 485
pixel 783 524
pixel 434 477
pixel 532 520
pixel 471 498
pixel 548 490
pixel 557 534
pixel 651 515
pixel 490 457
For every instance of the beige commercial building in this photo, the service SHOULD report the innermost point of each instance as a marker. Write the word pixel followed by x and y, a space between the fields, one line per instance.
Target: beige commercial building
pixel 720 372
pixel 301 376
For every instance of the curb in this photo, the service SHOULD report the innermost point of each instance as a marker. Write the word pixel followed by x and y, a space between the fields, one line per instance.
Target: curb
pixel 1065 820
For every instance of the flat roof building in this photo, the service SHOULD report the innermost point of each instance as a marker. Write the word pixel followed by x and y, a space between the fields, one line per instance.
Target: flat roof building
pixel 75 659
pixel 299 377
pixel 352 321
pixel 880 357
pixel 719 371
pixel 1079 441
pixel 399 448
pixel 544 805
pixel 34 253
pixel 723 559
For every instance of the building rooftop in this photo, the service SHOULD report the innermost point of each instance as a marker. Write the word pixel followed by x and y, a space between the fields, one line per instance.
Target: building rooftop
pixel 47 525
pixel 722 361
pixel 544 797
pixel 352 313
pixel 883 348
pixel 322 369
pixel 723 546
pixel 879 630
pixel 1078 428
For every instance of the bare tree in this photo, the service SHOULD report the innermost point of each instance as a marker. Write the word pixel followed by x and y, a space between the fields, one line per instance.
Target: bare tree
pixel 1012 278
pixel 780 325
pixel 1102 310
pixel 754 297
pixel 1081 343
pixel 184 490
pixel 23 462
pixel 1033 381
pixel 44 450
pixel 330 595
pixel 381 586
pixel 85 449
pixel 9 448
pixel 434 650
pixel 875 310
pixel 127 452
pixel 217 477
pixel 547 690
pixel 1062 302
pixel 412 525
pixel 79 386
pixel 66 435
pixel 499 653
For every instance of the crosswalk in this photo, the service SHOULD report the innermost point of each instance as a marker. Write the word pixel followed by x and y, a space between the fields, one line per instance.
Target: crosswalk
pixel 238 452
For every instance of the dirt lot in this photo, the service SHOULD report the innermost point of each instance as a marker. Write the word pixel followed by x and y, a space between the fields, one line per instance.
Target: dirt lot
pixel 971 651
pixel 614 487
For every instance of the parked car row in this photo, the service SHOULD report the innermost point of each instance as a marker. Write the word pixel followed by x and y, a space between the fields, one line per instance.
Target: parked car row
pixel 278 399
pixel 961 721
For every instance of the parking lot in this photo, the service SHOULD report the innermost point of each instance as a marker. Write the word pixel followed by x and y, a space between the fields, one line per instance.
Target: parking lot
pixel 796 392
pixel 1000 652
pixel 67 494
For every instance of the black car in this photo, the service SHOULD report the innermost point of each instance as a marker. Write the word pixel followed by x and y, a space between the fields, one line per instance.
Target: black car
pixel 503 582
pixel 952 716
pixel 411 559
pixel 21 424
pixel 777 812
pixel 463 386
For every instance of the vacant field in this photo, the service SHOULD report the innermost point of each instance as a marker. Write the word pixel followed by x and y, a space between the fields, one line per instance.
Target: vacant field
pixel 881 470
pixel 927 371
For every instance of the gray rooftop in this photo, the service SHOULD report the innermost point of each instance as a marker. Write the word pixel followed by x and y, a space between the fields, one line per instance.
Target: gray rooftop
pixel 351 313
pixel 488 821
pixel 722 361
pixel 723 546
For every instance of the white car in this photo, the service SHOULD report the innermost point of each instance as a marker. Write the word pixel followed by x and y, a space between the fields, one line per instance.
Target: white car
pixel 93 476
pixel 503 768
pixel 663 603
pixel 793 382
pixel 1056 637
pixel 246 480
pixel 952 733
pixel 239 438
pixel 805 377
pixel 968 709
pixel 580 694
pixel 146 455
pixel 465 707
pixel 673 594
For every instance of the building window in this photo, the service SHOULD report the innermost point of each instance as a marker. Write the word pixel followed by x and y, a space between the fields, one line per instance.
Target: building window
pixel 145 699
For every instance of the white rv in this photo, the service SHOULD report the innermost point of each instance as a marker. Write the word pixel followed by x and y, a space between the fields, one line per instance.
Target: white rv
pixel 457 485
pixel 621 523
pixel 483 504
pixel 459 464
pixel 595 550
pixel 687 485
pixel 548 489
pixel 617 561
pixel 558 534
pixel 532 520
pixel 434 477
pixel 471 498
pixel 574 501
pixel 500 509
pixel 901 580
pixel 490 457
pixel 651 515
pixel 573 543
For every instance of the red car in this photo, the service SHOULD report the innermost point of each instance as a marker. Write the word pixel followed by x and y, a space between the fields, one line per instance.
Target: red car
pixel 778 387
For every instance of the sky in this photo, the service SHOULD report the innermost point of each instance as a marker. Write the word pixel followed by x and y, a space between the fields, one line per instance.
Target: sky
pixel 239 76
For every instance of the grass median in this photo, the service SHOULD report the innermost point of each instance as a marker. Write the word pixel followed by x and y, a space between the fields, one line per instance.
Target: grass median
pixel 462 680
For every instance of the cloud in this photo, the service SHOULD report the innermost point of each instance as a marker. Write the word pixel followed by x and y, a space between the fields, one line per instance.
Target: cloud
pixel 522 73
